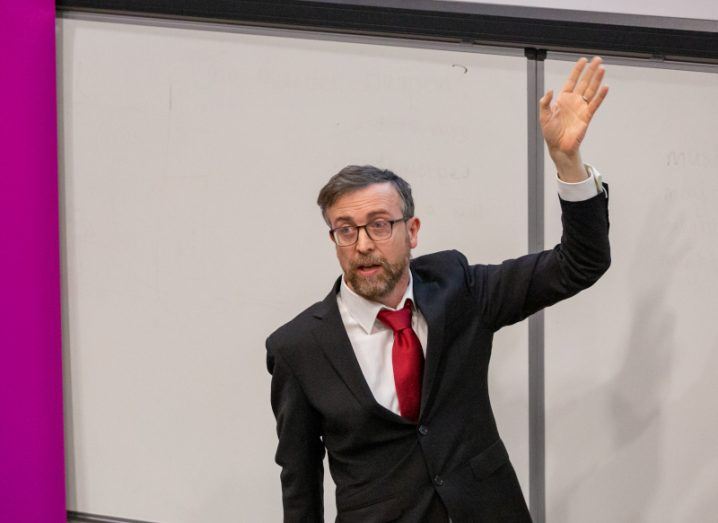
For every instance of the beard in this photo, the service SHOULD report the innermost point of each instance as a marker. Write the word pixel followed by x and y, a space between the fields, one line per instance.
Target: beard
pixel 380 284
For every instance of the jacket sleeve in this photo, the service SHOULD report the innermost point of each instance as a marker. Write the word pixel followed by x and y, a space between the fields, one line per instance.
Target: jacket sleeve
pixel 516 288
pixel 300 451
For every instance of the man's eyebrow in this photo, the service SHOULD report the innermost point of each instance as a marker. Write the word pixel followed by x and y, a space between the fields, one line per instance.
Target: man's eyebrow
pixel 343 219
pixel 369 216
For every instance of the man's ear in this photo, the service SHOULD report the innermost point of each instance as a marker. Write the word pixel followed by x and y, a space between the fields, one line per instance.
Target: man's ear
pixel 413 225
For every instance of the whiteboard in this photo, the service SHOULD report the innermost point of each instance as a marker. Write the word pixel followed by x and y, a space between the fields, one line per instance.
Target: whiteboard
pixel 631 364
pixel 185 152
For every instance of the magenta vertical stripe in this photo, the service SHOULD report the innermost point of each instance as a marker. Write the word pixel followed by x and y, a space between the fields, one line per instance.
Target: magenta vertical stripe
pixel 32 472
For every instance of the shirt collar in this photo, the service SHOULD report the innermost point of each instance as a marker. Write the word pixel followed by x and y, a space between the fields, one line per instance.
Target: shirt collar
pixel 365 311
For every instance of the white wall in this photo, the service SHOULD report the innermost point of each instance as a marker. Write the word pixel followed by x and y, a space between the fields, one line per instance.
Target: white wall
pixel 631 365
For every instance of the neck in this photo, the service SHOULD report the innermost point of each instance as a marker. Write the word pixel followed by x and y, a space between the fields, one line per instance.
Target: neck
pixel 394 297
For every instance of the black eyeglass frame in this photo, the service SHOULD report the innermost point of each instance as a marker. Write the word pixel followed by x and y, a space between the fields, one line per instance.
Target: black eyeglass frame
pixel 357 227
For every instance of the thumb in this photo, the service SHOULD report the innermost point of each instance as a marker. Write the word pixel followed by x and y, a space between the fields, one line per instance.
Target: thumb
pixel 545 100
pixel 545 107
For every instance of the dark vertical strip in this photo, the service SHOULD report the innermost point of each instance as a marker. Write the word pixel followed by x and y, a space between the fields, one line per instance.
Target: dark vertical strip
pixel 537 477
pixel 32 474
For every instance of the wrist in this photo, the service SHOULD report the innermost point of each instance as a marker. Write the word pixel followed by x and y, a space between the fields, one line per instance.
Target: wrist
pixel 570 167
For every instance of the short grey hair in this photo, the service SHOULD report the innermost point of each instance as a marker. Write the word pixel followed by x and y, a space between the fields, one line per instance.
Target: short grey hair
pixel 353 177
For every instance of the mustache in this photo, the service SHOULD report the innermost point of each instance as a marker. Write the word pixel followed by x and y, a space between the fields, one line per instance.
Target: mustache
pixel 368 261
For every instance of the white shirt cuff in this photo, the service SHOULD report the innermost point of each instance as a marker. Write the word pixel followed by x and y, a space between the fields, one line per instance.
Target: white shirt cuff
pixel 583 190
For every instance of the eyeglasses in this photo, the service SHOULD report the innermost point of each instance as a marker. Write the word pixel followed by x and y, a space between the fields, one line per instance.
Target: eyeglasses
pixel 377 230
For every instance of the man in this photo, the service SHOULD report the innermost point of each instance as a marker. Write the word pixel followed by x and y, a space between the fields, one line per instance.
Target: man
pixel 389 372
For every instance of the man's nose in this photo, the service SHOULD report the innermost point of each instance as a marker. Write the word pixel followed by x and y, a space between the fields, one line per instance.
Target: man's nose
pixel 364 243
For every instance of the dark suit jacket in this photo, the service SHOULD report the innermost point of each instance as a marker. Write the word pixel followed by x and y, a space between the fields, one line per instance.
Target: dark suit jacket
pixel 385 467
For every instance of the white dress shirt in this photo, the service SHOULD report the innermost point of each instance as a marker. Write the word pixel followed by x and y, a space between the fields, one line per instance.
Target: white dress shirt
pixel 373 341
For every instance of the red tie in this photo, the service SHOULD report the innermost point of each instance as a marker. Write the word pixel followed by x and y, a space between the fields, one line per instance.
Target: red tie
pixel 407 359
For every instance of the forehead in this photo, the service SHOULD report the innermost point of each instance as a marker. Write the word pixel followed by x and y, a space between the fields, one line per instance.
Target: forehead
pixel 366 202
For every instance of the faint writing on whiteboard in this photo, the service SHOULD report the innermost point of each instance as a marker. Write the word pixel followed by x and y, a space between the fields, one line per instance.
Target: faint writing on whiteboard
pixel 695 159
pixel 441 173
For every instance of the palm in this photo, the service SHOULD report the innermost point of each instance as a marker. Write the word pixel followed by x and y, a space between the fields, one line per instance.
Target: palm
pixel 564 123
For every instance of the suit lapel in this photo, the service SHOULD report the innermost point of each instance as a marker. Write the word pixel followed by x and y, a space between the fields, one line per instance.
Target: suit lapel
pixel 331 335
pixel 426 296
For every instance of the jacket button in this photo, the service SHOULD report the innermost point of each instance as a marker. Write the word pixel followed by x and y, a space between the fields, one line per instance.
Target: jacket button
pixel 438 480
pixel 423 430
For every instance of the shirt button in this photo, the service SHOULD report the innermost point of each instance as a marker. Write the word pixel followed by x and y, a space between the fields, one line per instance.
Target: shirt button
pixel 438 480
pixel 423 430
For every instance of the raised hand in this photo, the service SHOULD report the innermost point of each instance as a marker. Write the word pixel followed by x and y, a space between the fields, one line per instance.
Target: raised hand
pixel 564 124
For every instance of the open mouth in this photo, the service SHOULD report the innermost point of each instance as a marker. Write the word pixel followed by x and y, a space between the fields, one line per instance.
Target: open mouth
pixel 368 270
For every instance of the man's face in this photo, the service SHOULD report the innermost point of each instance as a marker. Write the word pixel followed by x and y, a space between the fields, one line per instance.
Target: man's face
pixel 374 269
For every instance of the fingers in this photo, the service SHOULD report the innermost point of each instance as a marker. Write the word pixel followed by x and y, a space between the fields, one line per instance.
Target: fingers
pixel 585 83
pixel 575 75
pixel 545 104
pixel 588 76
pixel 573 84
pixel 595 83
pixel 545 100
pixel 595 102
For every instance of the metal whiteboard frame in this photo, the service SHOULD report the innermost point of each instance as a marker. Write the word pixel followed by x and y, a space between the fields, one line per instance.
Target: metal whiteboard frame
pixel 505 26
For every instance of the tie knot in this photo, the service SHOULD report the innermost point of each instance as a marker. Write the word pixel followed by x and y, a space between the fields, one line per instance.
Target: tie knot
pixel 396 320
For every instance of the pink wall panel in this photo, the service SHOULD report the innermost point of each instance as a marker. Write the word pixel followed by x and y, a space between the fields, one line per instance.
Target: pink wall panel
pixel 32 475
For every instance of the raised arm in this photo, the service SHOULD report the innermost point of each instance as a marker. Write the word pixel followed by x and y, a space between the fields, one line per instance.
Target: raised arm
pixel 511 291
pixel 564 123
pixel 516 288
